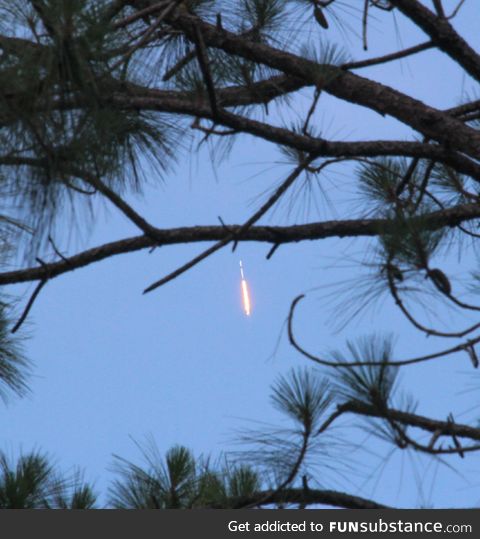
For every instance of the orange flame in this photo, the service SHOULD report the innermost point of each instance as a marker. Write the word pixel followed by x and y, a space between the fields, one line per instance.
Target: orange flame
pixel 246 298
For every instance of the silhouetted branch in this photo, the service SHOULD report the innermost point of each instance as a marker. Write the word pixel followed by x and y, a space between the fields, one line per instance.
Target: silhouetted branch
pixel 32 299
pixel 379 60
pixel 345 85
pixel 236 235
pixel 349 364
pixel 442 34
pixel 353 228
pixel 311 497
pixel 436 427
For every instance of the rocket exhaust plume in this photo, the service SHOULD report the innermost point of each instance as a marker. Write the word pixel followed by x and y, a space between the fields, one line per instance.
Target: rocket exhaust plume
pixel 247 306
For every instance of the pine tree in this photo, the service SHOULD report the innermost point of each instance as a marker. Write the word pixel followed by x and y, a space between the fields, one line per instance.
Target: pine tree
pixel 94 92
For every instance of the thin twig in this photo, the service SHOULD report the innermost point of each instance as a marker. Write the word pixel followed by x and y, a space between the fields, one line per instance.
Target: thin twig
pixel 140 14
pixel 271 252
pixel 408 176
pixel 291 476
pixel 31 301
pixel 456 10
pixel 423 186
pixel 211 131
pixel 118 201
pixel 253 219
pixel 348 364
pixel 146 36
pixel 389 57
pixel 435 426
pixel 428 331
pixel 179 65
pixel 364 24
pixel 57 252
pixel 311 110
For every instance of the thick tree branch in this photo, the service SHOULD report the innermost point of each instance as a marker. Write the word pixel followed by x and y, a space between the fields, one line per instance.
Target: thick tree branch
pixel 429 121
pixel 309 497
pixel 442 34
pixel 268 234
pixel 444 428
pixel 317 146
pixel 137 97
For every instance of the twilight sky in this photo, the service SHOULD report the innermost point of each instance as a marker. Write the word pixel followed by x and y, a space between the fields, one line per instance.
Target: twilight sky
pixel 183 364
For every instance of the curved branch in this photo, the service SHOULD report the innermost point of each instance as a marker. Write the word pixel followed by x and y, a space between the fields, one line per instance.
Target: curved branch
pixel 349 364
pixel 270 497
pixel 427 330
pixel 442 34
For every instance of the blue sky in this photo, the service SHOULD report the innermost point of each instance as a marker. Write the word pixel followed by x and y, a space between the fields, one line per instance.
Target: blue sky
pixel 183 363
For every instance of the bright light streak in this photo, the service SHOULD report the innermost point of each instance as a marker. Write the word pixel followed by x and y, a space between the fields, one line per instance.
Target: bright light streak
pixel 247 305
pixel 246 298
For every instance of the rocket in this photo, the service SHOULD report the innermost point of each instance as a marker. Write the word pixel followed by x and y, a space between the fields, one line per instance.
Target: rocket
pixel 247 307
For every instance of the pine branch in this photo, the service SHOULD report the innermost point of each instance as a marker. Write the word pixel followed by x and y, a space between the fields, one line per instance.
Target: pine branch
pixel 319 147
pixel 235 235
pixel 379 60
pixel 429 121
pixel 116 200
pixel 464 346
pixel 442 34
pixel 273 235
pixel 310 497
pixel 435 426
pixel 141 14
pixel 421 327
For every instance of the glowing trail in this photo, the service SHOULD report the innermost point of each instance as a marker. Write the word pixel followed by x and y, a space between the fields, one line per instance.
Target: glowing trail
pixel 247 307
